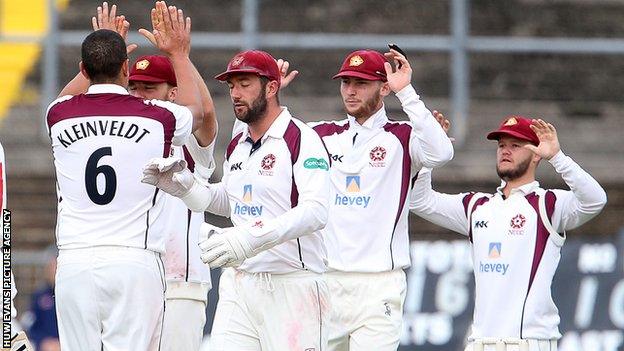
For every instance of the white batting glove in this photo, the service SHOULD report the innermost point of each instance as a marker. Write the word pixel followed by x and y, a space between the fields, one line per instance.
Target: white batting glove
pixel 222 246
pixel 20 342
pixel 169 174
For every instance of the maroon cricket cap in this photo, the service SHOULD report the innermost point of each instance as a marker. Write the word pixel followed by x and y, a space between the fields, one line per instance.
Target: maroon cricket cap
pixel 518 127
pixel 365 64
pixel 252 61
pixel 153 68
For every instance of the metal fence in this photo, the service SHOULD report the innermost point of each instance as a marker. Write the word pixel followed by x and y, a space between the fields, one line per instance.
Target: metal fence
pixel 459 45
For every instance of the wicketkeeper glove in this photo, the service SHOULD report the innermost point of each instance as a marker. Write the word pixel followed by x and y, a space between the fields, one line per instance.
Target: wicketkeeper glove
pixel 20 342
pixel 169 174
pixel 229 247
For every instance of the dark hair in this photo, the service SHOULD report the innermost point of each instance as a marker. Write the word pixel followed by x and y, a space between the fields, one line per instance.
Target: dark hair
pixel 103 54
pixel 263 82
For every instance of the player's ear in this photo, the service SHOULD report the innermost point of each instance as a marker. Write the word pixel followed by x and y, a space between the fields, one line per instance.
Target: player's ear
pixel 125 68
pixel 272 88
pixel 385 89
pixel 172 94
pixel 83 71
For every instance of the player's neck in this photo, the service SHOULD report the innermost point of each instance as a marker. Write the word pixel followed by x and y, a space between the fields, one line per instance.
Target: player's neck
pixel 526 178
pixel 258 128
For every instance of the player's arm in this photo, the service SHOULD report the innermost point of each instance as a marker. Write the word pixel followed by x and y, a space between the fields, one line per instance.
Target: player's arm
pixel 207 131
pixel 446 210
pixel 105 19
pixel 586 198
pixel 311 178
pixel 429 144
pixel 172 34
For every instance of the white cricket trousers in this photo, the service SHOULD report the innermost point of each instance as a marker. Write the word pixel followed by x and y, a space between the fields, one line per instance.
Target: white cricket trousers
pixel 109 298
pixel 512 344
pixel 367 310
pixel 185 315
pixel 270 312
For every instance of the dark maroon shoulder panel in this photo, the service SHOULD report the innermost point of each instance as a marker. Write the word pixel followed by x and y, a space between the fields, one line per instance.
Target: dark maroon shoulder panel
pixel 329 128
pixel 477 203
pixel 109 104
pixel 232 145
pixel 541 234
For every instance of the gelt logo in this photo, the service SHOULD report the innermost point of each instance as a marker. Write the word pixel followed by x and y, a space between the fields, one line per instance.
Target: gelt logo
pixel 353 184
pixel 247 193
pixel 356 61
pixel 512 121
pixel 494 250
pixel 142 65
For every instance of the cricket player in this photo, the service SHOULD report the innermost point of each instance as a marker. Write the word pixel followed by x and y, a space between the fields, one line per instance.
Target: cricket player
pixel 19 340
pixel 188 278
pixel 516 235
pixel 373 162
pixel 110 233
pixel 274 188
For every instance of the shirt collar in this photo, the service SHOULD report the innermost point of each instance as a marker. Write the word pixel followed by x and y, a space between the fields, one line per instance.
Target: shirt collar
pixel 277 128
pixel 377 120
pixel 107 89
pixel 524 189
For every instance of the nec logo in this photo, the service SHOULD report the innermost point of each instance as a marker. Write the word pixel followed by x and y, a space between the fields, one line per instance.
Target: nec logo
pixel 236 167
pixel 481 224
pixel 336 157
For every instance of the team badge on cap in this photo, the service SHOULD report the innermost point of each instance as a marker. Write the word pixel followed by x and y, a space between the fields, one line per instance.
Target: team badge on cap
pixel 237 61
pixel 356 61
pixel 511 122
pixel 142 64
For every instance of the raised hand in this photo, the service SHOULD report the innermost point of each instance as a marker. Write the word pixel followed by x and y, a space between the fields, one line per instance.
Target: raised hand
pixel 400 78
pixel 171 31
pixel 106 19
pixel 444 123
pixel 547 135
pixel 286 77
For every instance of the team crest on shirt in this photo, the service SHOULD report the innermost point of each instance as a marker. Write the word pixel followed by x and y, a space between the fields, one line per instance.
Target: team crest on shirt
pixel 517 224
pixel 267 164
pixel 377 156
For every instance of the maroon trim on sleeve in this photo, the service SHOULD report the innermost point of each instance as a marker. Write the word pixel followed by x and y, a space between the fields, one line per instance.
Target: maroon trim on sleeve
pixel 189 159
pixel 402 132
pixel 541 236
pixel 292 137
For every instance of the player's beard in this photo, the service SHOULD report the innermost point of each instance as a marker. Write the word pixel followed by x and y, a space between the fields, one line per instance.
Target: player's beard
pixel 515 173
pixel 368 108
pixel 255 111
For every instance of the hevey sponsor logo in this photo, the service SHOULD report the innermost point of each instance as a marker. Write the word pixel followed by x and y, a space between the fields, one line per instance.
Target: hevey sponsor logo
pixel 494 252
pixel 517 225
pixel 267 164
pixel 313 163
pixel 377 156
pixel 247 210
pixel 352 186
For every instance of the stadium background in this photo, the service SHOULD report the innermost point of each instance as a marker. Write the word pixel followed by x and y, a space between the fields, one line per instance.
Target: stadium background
pixel 476 61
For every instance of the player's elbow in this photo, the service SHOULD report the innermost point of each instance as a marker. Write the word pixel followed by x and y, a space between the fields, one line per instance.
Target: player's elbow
pixel 439 159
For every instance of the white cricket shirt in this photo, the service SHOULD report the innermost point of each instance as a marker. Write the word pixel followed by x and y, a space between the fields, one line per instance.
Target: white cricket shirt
pixel 100 142
pixel 279 184
pixel 372 167
pixel 515 245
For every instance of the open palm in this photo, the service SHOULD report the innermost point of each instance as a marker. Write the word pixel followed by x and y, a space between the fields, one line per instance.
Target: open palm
pixel 547 135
